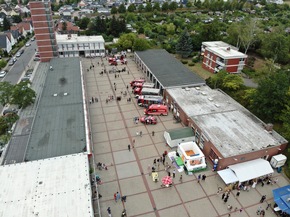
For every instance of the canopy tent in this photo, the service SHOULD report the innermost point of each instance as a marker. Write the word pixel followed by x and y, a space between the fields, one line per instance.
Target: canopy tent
pixel 282 198
pixel 228 176
pixel 251 169
pixel 246 171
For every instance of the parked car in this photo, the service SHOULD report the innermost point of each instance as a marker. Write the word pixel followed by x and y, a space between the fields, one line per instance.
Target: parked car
pixel 2 74
pixel 21 51
pixel 36 59
pixel 11 62
pixel 148 120
pixel 18 54
pixel 27 44
pixel 33 39
pixel 9 111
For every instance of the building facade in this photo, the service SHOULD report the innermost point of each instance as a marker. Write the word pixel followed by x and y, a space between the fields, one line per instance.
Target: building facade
pixel 75 46
pixel 44 30
pixel 218 55
pixel 225 131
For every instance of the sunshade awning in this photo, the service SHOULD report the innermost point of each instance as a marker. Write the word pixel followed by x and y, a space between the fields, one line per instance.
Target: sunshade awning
pixel 228 176
pixel 251 169
pixel 282 198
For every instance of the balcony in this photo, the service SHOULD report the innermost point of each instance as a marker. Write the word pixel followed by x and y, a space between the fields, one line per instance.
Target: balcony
pixel 220 62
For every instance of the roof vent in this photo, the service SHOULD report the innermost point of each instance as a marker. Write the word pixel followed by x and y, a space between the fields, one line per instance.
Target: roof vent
pixel 187 89
pixel 203 93
pixel 55 94
pixel 197 88
pixel 217 105
pixel 210 99
pixel 65 94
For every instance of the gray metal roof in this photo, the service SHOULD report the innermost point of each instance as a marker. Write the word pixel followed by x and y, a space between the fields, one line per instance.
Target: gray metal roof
pixel 59 128
pixel 3 41
pixel 169 71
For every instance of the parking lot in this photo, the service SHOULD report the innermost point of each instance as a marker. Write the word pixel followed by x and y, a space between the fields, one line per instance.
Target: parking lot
pixel 113 128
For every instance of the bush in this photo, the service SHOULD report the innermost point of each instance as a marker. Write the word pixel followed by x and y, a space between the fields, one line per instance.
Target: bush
pixel 3 63
pixel 191 64
pixel 195 59
pixel 184 61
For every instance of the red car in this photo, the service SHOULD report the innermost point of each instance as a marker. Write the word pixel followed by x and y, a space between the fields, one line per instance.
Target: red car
pixel 148 120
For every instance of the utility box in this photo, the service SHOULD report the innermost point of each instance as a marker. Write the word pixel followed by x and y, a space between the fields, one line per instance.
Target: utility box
pixel 177 136
pixel 278 160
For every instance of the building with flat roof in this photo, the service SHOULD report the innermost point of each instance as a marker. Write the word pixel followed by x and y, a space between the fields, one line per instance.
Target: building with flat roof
pixel 72 45
pixel 223 128
pixel 44 29
pixel 218 55
pixel 164 70
pixel 52 187
pixel 59 125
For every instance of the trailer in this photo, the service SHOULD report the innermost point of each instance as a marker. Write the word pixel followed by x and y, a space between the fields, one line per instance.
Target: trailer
pixel 176 136
pixel 278 160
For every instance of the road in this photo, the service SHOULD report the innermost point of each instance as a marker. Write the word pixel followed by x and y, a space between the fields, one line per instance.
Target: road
pixel 15 71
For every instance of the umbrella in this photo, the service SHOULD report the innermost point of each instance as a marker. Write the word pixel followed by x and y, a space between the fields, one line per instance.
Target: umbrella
pixel 167 180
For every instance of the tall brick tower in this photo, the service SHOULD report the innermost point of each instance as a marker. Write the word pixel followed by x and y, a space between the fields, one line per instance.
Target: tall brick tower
pixel 43 29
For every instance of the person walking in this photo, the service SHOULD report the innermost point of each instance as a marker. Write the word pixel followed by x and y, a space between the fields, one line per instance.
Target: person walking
pixel 223 196
pixel 140 133
pixel 173 173
pixel 203 177
pixel 153 133
pixel 115 197
pixel 129 147
pixel 118 196
pixel 238 193
pixel 263 198
pixel 180 178
pixel 109 211
pixel 198 178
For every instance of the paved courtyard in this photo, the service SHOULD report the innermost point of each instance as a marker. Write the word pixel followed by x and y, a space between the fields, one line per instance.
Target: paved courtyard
pixel 113 129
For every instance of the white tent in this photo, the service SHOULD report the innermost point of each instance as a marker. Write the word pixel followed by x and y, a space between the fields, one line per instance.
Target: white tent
pixel 246 171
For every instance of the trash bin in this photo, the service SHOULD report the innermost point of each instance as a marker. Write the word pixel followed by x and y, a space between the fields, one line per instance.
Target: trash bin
pixel 279 169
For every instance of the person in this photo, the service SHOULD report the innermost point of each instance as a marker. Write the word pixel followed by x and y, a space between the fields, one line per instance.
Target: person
pixel 50 67
pixel 238 193
pixel 203 177
pixel 123 198
pixel 140 133
pixel 198 178
pixel 129 147
pixel 173 173
pixel 263 198
pixel 180 178
pixel 153 133
pixel 109 211
pixel 124 212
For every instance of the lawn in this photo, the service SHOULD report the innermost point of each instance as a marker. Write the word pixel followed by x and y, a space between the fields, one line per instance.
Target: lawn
pixel 197 68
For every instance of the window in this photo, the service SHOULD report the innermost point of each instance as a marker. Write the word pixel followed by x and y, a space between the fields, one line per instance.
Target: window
pixel 197 136
pixel 201 144
pixel 213 155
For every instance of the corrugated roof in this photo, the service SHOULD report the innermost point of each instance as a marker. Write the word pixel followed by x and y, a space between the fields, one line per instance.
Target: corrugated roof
pixel 58 127
pixel 181 133
pixel 169 71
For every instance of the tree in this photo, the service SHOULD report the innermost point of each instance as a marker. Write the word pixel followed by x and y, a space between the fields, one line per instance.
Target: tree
pixel 276 46
pixel 184 44
pixel 131 8
pixel 6 89
pixel 16 19
pixel 148 7
pixel 170 28
pixel 165 6
pixel 114 10
pixel 22 95
pixel 156 6
pixel 188 4
pixel 140 44
pixel 122 9
pixel 173 6
pixel 83 23
pixel 6 122
pixel 64 26
pixel 271 96
pixel 232 82
pixel 141 8
pixel 3 63
pixel 6 24
pixel 285 118
pixel 126 41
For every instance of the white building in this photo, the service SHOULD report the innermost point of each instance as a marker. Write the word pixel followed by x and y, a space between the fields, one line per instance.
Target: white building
pixel 74 45
pixel 51 187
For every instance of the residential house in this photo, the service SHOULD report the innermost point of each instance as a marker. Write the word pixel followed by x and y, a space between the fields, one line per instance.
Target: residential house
pixel 11 38
pixel 218 55
pixel 5 43
pixel 26 26
pixel 71 28
pixel 16 31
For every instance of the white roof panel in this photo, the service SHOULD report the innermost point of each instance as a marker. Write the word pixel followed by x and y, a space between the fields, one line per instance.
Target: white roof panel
pixel 52 187
pixel 228 176
pixel 251 169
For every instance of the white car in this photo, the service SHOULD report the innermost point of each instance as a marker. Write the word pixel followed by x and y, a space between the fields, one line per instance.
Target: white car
pixel 2 74
pixel 27 44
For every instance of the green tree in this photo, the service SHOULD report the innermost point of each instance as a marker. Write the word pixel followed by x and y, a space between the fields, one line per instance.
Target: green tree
pixel 271 96
pixel 232 82
pixel 114 10
pixel 285 118
pixel 126 41
pixel 7 121
pixel 3 63
pixel 165 6
pixel 16 19
pixel 148 7
pixel 156 6
pixel 276 46
pixel 170 28
pixel 131 8
pixel 188 4
pixel 141 8
pixel 248 31
pixel 83 23
pixel 198 4
pixel 140 44
pixel 173 6
pixel 184 44
pixel 6 90
pixel 122 9
pixel 64 26
pixel 6 24
pixel 22 95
